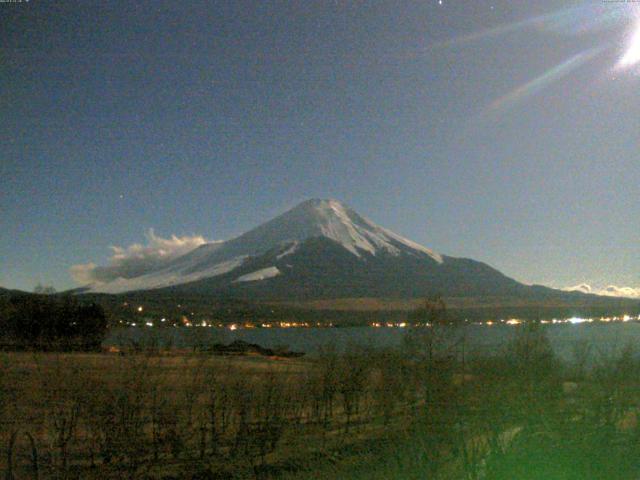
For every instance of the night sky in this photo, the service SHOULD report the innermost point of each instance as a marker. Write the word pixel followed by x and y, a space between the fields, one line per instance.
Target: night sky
pixel 504 131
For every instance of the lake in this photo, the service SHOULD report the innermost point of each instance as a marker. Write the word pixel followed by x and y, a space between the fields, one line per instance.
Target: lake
pixel 604 339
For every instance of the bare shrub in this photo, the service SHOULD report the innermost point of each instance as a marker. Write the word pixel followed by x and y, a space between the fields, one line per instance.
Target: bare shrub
pixel 353 372
pixel 535 373
pixel 618 384
pixel 216 409
pixel 64 400
pixel 325 385
pixel 391 383
pixel 581 357
pixel 269 415
pixel 119 413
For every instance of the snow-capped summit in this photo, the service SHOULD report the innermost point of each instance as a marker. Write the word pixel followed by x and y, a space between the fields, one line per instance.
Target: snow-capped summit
pixel 333 220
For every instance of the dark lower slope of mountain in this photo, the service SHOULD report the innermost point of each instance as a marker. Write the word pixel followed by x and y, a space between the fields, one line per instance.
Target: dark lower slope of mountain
pixel 321 281
pixel 352 311
pixel 321 269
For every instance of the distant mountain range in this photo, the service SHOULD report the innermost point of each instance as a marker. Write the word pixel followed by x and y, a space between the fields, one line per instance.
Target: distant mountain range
pixel 321 250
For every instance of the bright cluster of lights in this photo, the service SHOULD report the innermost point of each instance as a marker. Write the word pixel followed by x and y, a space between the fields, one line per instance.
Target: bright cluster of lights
pixel 389 325
pixel 186 322
pixel 576 320
pixel 557 321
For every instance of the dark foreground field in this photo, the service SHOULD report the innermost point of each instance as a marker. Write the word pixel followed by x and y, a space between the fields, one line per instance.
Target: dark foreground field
pixel 427 410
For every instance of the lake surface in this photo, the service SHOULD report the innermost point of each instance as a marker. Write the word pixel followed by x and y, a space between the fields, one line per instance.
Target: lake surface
pixel 604 339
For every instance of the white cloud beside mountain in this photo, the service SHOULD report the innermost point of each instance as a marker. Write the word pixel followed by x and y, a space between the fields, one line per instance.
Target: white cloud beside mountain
pixel 609 291
pixel 136 259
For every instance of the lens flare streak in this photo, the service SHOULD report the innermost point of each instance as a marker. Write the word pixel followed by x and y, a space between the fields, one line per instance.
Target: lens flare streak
pixel 575 20
pixel 536 85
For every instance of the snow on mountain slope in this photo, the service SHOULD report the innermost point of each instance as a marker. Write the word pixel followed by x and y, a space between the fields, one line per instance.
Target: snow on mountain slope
pixel 357 234
pixel 261 274
pixel 284 234
pixel 288 251
pixel 330 219
pixel 166 278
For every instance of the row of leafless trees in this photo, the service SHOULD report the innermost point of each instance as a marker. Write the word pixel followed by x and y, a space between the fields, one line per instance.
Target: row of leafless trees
pixel 129 414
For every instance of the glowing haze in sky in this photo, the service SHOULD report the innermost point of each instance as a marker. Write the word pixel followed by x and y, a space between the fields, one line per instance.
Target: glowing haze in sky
pixel 632 54
pixel 503 131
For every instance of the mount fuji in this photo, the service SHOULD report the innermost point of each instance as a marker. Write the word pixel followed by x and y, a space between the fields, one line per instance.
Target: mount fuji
pixel 323 250
pixel 319 249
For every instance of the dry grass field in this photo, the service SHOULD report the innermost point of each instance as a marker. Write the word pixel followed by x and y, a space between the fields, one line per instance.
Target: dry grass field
pixel 179 414
pixel 411 414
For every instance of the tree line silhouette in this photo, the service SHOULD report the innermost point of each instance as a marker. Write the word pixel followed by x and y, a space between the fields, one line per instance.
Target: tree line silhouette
pixel 50 322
